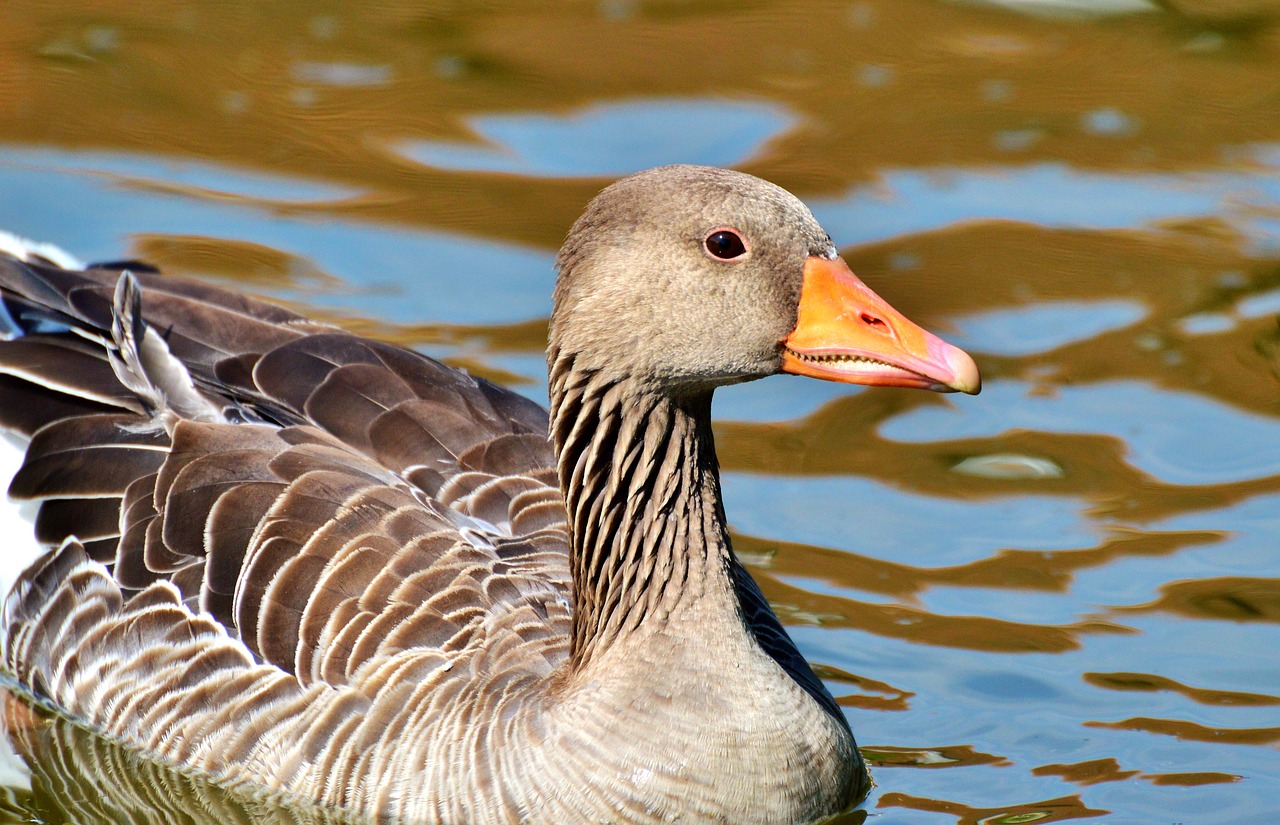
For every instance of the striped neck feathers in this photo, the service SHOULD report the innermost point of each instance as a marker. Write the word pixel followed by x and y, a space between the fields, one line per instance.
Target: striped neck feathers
pixel 646 522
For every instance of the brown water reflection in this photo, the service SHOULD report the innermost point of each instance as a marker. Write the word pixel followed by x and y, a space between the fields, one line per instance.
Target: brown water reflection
pixel 1195 732
pixel 1148 682
pixel 1088 202
pixel 955 78
pixel 1087 773
pixel 1237 598
pixel 1050 810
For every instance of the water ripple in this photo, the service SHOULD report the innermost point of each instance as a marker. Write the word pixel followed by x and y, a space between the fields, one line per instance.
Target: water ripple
pixel 909 201
pixel 1229 444
pixel 1028 330
pixel 610 139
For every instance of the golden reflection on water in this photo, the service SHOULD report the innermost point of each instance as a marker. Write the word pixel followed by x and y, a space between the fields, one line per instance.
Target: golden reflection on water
pixel 1050 810
pixel 980 165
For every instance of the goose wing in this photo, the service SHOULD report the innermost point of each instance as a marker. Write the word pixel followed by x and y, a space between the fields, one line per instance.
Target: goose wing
pixel 328 500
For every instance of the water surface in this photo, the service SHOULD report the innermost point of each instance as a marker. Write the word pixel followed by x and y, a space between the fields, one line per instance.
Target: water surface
pixel 1057 601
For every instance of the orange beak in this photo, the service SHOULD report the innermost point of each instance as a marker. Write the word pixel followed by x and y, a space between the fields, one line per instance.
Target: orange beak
pixel 845 332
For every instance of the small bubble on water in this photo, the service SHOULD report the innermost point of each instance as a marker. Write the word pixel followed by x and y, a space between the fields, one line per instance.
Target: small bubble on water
pixel 102 38
pixel 1017 140
pixel 324 27
pixel 1232 279
pixel 874 77
pixel 904 260
pixel 1009 466
pixel 1108 122
pixel 997 91
pixel 235 103
pixel 449 66
pixel 617 10
pixel 861 15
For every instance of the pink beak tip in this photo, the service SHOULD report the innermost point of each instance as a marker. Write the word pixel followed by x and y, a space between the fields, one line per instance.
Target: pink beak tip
pixel 958 371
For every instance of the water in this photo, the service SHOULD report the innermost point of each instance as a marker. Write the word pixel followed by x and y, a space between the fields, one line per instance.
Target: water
pixel 1058 600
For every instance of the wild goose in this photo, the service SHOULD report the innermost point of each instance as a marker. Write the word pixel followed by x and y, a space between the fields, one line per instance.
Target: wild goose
pixel 292 557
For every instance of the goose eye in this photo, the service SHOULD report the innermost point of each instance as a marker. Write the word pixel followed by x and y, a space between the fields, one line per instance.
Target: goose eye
pixel 725 244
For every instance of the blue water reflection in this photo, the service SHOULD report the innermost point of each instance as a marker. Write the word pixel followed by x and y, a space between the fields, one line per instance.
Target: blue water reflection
pixel 1250 535
pixel 965 696
pixel 1074 8
pixel 343 75
pixel 1042 327
pixel 1034 607
pixel 154 170
pixel 780 398
pixel 611 139
pixel 907 201
pixel 1207 323
pixel 1262 304
pixel 82 210
pixel 864 516
pixel 1129 581
pixel 1181 438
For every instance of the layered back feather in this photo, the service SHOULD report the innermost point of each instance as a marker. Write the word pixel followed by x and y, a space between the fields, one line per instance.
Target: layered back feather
pixel 322 520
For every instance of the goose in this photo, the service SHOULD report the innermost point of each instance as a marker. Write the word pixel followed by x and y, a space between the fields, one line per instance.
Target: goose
pixel 285 556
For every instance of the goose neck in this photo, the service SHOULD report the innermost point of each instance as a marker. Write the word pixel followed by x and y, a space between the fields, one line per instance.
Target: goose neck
pixel 648 541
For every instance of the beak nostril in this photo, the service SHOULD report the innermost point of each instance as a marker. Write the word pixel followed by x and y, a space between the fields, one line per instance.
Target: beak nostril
pixel 874 322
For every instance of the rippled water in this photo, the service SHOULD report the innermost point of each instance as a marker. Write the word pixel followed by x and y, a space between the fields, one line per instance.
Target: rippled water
pixel 1058 600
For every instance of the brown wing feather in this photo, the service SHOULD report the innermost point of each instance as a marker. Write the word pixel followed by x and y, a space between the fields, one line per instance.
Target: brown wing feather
pixel 87 456
pixel 363 538
pixel 384 501
pixel 88 518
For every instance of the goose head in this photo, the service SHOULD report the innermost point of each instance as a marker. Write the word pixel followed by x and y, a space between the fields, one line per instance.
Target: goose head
pixel 688 277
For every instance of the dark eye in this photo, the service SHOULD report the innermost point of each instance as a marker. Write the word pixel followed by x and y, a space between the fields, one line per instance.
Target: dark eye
pixel 725 244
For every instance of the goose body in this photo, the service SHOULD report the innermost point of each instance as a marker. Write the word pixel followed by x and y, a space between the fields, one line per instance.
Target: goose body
pixel 287 556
